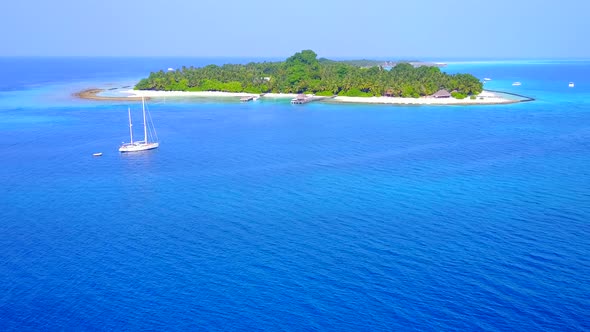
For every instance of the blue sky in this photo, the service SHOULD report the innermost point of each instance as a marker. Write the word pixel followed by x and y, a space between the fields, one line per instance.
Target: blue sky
pixel 393 29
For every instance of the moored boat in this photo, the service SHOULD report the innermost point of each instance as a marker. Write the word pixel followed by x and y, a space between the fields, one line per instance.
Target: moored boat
pixel 140 145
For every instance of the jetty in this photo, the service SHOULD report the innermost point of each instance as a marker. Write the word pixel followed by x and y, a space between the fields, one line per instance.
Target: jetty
pixel 246 99
pixel 523 99
pixel 304 99
pixel 301 99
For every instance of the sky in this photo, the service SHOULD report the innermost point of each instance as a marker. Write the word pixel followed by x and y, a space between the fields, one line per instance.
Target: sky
pixel 416 29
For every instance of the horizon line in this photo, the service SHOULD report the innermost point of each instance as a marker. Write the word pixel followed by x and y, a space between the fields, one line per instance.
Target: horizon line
pixel 338 57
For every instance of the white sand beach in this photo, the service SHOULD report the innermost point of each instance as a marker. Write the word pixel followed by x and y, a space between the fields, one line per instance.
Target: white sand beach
pixel 485 98
pixel 162 94
pixel 279 95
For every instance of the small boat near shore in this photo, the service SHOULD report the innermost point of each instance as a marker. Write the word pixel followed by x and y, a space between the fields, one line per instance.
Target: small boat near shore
pixel 97 154
pixel 571 85
pixel 516 84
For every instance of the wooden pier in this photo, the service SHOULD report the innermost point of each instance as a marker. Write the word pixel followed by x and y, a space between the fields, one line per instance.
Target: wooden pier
pixel 304 99
pixel 301 99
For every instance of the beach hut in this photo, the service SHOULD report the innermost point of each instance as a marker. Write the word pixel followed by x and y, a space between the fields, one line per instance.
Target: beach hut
pixel 442 94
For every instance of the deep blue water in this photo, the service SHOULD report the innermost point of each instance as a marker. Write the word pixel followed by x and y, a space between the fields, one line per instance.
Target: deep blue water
pixel 268 216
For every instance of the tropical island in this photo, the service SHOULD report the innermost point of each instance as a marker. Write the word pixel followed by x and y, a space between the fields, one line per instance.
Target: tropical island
pixel 306 78
pixel 304 73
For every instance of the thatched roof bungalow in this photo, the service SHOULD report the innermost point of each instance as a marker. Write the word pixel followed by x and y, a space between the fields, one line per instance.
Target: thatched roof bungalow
pixel 442 94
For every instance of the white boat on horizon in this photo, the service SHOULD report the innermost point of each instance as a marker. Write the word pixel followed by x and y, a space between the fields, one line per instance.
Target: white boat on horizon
pixel 98 154
pixel 571 85
pixel 516 84
pixel 140 145
pixel 487 79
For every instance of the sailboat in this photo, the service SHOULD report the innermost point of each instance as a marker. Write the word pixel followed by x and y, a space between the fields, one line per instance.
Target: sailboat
pixel 140 145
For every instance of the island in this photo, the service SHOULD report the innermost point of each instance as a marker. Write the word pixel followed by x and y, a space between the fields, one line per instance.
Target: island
pixel 306 78
pixel 304 73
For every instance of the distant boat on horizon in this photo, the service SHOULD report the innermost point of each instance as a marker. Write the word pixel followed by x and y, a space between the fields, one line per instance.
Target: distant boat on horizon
pixel 140 145
pixel 571 85
pixel 487 79
pixel 98 154
pixel 516 84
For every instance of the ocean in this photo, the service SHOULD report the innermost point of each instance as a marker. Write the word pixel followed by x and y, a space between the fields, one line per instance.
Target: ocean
pixel 271 216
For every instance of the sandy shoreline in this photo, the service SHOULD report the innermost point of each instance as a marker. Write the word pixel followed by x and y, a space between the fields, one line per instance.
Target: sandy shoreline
pixel 204 94
pixel 485 98
pixel 92 94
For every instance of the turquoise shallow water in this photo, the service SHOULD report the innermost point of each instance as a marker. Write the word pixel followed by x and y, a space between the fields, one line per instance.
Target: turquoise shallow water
pixel 268 216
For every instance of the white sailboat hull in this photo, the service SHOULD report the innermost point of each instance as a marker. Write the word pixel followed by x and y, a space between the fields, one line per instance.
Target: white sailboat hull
pixel 138 146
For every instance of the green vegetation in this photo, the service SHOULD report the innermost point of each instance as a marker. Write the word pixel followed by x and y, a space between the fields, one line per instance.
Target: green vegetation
pixel 324 93
pixel 458 95
pixel 304 73
pixel 357 63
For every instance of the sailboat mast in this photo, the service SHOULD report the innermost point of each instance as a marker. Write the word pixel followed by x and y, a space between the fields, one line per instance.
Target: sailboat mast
pixel 130 124
pixel 145 139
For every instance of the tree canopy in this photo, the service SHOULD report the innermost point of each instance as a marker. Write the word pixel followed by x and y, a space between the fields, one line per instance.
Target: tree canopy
pixel 304 73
